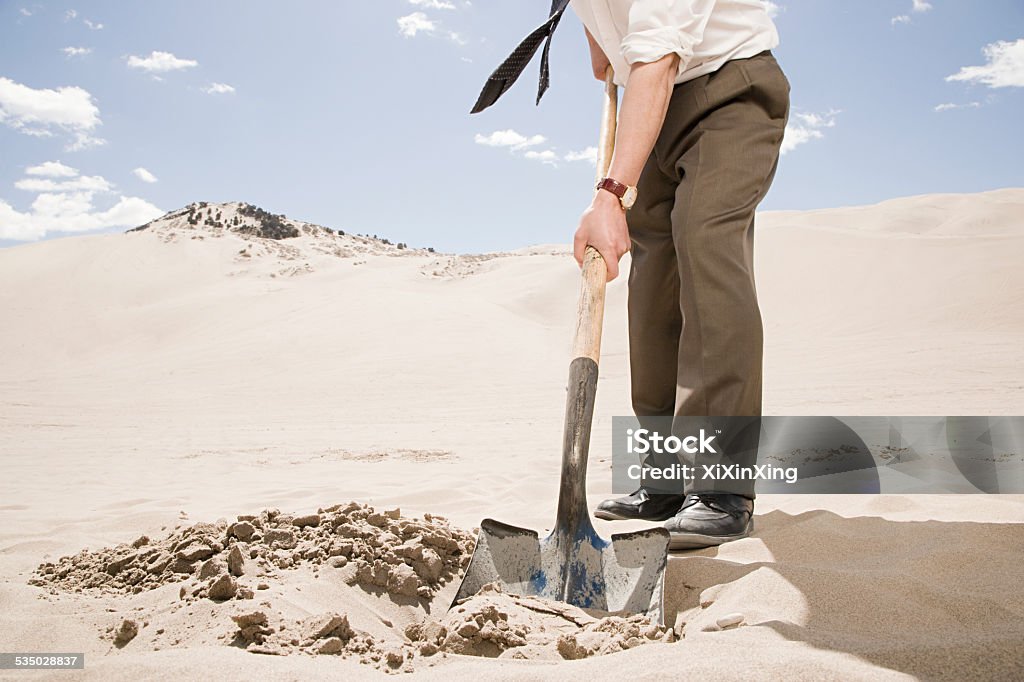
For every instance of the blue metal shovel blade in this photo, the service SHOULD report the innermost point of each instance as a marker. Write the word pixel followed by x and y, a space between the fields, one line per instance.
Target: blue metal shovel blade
pixel 582 569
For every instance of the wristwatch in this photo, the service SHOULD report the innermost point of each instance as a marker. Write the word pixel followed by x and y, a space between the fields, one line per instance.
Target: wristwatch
pixel 625 193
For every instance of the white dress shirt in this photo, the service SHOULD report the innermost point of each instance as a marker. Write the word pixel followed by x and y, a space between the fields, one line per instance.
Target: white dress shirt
pixel 704 33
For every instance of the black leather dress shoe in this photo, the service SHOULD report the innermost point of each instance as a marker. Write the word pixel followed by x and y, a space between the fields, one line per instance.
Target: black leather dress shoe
pixel 640 505
pixel 709 519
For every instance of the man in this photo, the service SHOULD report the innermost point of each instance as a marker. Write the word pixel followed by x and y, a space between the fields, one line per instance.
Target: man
pixel 700 128
pixel 699 131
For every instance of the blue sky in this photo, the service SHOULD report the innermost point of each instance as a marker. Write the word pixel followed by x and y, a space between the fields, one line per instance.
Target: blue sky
pixel 355 114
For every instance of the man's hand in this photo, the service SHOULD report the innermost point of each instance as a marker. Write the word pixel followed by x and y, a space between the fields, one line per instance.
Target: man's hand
pixel 603 226
pixel 598 60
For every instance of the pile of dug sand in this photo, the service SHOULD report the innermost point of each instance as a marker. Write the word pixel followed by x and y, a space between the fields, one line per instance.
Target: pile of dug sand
pixel 222 560
pixel 232 581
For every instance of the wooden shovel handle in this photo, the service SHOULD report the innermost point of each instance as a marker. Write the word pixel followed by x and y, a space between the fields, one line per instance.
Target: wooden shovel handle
pixel 609 112
pixel 590 310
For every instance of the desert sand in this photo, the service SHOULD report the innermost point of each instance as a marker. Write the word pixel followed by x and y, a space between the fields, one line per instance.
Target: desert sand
pixel 309 430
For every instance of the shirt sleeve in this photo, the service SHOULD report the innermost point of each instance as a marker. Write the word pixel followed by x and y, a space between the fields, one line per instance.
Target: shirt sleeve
pixel 660 27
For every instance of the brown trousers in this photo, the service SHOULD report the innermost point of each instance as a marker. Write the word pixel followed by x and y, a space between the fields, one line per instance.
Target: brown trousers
pixel 695 331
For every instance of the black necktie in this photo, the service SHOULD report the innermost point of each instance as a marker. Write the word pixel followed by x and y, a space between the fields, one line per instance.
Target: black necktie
pixel 507 73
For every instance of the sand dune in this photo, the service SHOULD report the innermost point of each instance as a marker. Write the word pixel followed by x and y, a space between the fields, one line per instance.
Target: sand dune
pixel 183 373
pixel 985 214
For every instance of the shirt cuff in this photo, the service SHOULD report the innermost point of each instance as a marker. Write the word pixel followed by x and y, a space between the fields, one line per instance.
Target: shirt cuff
pixel 652 44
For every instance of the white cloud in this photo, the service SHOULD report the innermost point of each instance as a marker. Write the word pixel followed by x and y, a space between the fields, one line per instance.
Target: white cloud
pixel 411 24
pixel 69 213
pixel 84 141
pixel 25 12
pixel 798 135
pixel 66 206
pixel 1004 66
pixel 83 183
pixel 949 106
pixel 547 156
pixel 94 26
pixel 418 22
pixel 773 8
pixel 433 4
pixel 52 169
pixel 826 120
pixel 39 112
pixel 144 175
pixel 509 138
pixel 160 62
pixel 218 89
pixel 589 155
pixel 805 127
pixel 918 7
pixel 128 212
pixel 77 51
pixel 517 143
pixel 525 146
pixel 70 14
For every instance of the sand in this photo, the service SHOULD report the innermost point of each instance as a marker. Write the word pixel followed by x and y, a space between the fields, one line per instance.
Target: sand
pixel 161 384
pixel 223 582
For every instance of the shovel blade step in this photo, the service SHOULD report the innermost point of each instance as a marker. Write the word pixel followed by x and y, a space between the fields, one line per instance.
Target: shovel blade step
pixel 621 576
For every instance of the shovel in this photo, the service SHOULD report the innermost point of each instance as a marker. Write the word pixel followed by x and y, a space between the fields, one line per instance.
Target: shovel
pixel 574 564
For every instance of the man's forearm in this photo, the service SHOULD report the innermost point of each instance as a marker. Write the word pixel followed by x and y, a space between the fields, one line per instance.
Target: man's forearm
pixel 603 224
pixel 641 116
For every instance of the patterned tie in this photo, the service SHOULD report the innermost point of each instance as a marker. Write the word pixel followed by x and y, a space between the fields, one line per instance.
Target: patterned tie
pixel 507 73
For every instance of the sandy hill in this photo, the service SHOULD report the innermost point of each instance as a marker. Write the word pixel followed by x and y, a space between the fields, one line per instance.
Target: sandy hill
pixel 986 214
pixel 191 371
pixel 294 238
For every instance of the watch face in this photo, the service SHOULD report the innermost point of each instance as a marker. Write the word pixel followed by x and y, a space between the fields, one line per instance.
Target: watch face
pixel 629 198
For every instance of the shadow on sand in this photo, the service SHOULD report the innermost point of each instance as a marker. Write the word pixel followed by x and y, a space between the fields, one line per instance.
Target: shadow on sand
pixel 933 599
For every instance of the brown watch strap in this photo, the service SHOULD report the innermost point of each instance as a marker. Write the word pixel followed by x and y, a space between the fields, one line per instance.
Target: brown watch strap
pixel 613 186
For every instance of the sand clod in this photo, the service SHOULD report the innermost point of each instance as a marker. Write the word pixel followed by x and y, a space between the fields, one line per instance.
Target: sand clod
pixel 243 530
pixel 252 627
pixel 222 588
pixel 307 520
pixel 328 625
pixel 126 632
pixel 236 561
